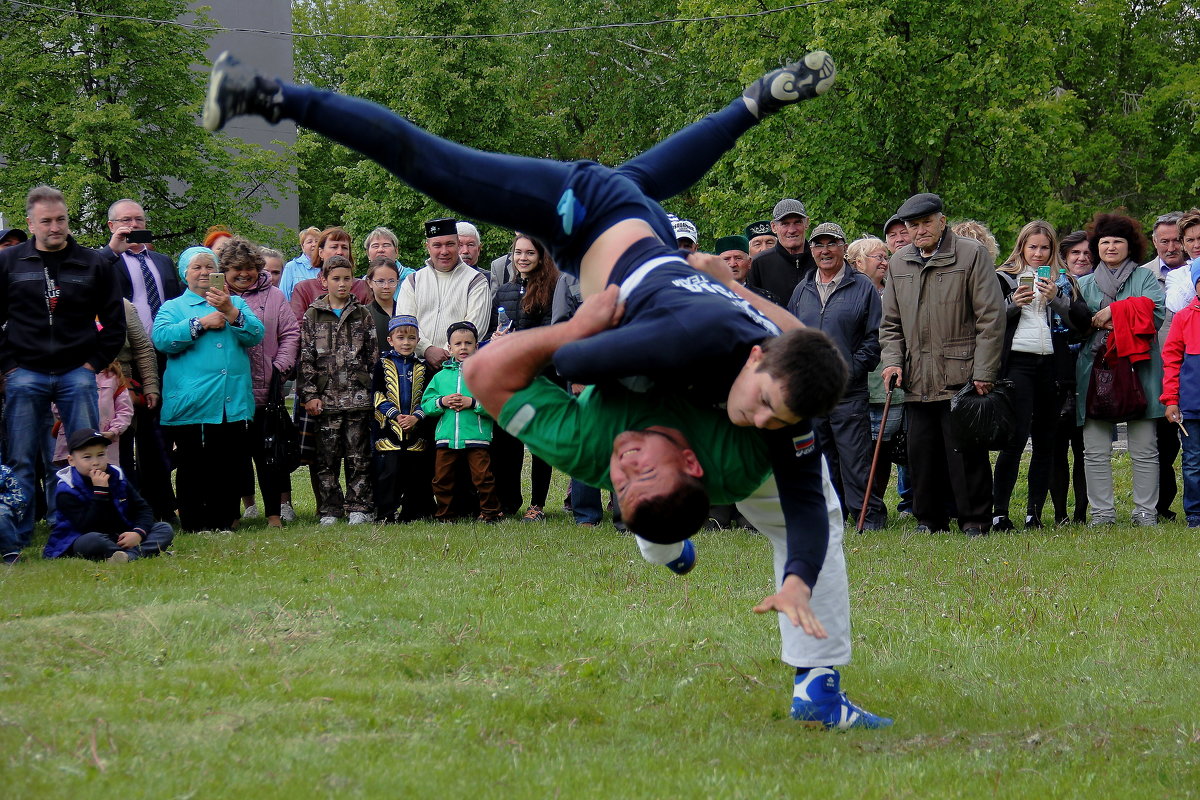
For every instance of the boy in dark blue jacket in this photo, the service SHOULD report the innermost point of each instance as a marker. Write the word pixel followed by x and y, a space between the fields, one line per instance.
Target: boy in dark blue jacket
pixel 100 515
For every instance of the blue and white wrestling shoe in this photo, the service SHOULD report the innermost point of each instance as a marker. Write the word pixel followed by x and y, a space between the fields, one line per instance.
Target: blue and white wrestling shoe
pixel 687 559
pixel 818 700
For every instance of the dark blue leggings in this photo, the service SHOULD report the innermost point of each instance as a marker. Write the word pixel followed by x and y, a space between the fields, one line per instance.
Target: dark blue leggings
pixel 568 205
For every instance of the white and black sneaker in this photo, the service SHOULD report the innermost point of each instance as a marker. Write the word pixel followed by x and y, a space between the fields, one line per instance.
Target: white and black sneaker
pixel 235 90
pixel 791 83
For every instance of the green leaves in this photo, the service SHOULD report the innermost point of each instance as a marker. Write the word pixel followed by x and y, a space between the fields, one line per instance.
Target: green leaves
pixel 105 110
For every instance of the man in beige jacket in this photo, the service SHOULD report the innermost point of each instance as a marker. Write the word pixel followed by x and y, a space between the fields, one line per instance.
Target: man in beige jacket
pixel 943 326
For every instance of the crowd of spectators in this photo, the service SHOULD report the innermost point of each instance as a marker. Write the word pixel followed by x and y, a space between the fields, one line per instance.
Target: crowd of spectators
pixel 179 365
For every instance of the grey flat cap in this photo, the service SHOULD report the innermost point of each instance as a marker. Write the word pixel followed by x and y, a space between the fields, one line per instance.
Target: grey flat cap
pixel 786 207
pixel 827 229
pixel 919 205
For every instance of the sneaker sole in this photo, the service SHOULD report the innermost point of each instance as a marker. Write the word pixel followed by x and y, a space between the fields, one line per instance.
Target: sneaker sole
pixel 212 119
pixel 788 87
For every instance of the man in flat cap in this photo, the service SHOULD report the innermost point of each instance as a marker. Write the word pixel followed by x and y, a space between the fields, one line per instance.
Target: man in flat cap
pixel 780 269
pixel 943 326
pixel 449 291
pixel 760 237
pixel 842 302
pixel 895 234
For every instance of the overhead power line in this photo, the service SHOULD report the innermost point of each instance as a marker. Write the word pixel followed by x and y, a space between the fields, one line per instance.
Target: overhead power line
pixel 73 12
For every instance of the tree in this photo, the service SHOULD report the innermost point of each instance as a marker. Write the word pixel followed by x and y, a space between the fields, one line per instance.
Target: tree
pixel 1011 110
pixel 104 109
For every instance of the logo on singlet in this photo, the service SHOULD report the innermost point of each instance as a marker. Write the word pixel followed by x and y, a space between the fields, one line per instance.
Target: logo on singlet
pixel 700 283
pixel 805 443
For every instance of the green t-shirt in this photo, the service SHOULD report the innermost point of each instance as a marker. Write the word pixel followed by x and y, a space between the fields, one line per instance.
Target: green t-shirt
pixel 575 434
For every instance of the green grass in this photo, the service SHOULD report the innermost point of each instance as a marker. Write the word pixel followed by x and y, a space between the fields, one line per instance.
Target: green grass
pixel 549 661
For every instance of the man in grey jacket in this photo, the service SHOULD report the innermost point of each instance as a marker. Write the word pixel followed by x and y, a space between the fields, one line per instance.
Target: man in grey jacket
pixel 943 326
pixel 842 302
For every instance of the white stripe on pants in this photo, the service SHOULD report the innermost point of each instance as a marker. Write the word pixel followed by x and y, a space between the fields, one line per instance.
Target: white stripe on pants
pixel 831 596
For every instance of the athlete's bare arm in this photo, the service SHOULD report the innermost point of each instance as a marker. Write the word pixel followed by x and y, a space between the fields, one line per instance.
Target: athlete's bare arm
pixel 507 366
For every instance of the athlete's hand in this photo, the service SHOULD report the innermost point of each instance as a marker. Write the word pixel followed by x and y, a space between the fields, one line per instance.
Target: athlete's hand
pixel 712 266
pixel 792 599
pixel 598 313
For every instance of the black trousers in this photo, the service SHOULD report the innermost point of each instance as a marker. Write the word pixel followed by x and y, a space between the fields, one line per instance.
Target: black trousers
pixel 1168 452
pixel 209 458
pixel 936 464
pixel 1036 406
pixel 845 439
pixel 403 484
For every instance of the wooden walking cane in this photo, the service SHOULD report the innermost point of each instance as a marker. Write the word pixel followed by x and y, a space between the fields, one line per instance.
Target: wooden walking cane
pixel 887 404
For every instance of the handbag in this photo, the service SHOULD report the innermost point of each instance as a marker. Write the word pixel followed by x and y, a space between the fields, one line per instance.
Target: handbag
pixel 1114 392
pixel 278 439
pixel 983 420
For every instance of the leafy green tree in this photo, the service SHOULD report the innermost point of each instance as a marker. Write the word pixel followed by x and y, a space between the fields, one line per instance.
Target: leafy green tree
pixel 105 109
pixel 1011 110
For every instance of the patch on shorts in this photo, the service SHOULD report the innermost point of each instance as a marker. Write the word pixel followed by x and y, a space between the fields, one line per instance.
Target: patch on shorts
pixel 571 211
pixel 805 443
pixel 519 420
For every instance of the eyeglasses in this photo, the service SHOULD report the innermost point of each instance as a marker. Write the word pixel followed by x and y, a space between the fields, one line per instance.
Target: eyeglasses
pixel 384 281
pixel 129 220
pixel 879 256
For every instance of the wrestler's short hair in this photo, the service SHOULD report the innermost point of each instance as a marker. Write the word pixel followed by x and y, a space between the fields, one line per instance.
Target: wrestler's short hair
pixel 672 516
pixel 811 369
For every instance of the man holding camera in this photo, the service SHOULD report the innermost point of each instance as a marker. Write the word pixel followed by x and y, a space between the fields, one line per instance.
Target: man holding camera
pixel 147 280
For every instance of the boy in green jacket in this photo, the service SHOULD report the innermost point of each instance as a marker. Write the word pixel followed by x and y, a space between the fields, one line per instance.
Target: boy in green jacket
pixel 463 429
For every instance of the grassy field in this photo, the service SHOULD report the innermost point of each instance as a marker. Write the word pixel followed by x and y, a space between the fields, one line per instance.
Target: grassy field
pixel 531 661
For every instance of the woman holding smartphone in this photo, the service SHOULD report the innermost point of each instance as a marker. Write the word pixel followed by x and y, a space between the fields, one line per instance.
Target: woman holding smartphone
pixel 1036 301
pixel 527 302
pixel 207 393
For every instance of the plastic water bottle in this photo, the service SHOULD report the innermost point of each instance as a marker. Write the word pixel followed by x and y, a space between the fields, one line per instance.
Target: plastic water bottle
pixel 1064 289
pixel 503 323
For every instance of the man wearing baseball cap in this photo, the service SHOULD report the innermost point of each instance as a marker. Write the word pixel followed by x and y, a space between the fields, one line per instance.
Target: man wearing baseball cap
pixel 686 235
pixel 780 269
pixel 943 326
pixel 12 236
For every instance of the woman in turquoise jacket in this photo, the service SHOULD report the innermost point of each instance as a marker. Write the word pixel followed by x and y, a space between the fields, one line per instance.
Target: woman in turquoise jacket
pixel 208 396
pixel 1118 247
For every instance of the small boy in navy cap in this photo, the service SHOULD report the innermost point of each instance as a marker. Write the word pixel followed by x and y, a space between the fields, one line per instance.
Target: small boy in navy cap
pixel 100 515
pixel 403 462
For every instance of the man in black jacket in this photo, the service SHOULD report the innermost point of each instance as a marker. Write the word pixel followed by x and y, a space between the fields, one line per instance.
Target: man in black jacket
pixel 62 320
pixel 789 262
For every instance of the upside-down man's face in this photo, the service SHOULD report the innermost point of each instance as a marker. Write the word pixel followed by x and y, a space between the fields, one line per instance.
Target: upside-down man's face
pixel 649 463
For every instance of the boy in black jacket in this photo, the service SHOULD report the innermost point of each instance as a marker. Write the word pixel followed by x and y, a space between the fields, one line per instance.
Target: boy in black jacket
pixel 100 515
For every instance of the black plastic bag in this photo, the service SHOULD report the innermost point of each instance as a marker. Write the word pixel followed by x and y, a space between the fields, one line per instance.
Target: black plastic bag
pixel 983 420
pixel 278 439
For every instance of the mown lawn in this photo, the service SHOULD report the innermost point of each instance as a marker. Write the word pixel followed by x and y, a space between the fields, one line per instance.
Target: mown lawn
pixel 546 660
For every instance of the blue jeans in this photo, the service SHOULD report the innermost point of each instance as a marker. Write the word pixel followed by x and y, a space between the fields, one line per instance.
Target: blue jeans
pixel 27 398
pixel 566 205
pixel 586 505
pixel 1191 470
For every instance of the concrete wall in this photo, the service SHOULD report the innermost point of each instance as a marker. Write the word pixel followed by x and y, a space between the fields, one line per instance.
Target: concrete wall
pixel 271 54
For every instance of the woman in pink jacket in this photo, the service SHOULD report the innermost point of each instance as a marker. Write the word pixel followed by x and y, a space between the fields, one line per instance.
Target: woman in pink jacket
pixel 274 356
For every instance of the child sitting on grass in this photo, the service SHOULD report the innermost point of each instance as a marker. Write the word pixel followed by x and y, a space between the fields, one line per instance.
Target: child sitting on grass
pixel 463 430
pixel 401 460
pixel 100 515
